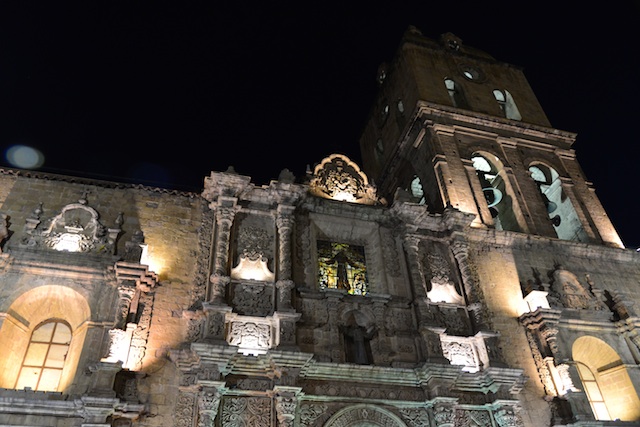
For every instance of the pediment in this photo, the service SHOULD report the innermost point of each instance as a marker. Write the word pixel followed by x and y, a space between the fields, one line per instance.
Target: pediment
pixel 338 178
pixel 75 228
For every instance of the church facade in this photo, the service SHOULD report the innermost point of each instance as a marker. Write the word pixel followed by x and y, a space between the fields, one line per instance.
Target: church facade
pixel 479 282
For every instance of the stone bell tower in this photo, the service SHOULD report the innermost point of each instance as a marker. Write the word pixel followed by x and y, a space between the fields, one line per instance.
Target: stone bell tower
pixel 453 126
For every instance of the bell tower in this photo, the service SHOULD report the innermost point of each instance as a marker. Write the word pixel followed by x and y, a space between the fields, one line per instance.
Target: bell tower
pixel 453 126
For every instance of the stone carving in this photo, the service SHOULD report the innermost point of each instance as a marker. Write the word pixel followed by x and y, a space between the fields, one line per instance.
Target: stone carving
pixel 208 402
pixel 363 391
pixel 508 417
pixel 417 417
pixel 141 333
pixel 203 260
pixel 225 211
pixel 284 222
pixel 571 293
pixel 338 178
pixel 473 418
pixel 309 413
pixel 444 415
pixel 250 336
pixel 442 287
pixel 460 353
pixel 252 262
pixel 358 415
pixel 390 254
pixel 75 229
pixel 253 299
pixel 246 411
pixel 286 404
pixel 184 411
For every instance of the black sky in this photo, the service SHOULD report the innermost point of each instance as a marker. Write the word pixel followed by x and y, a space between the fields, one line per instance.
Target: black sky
pixel 165 92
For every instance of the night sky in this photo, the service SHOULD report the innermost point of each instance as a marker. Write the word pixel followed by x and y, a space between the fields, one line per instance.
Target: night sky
pixel 162 93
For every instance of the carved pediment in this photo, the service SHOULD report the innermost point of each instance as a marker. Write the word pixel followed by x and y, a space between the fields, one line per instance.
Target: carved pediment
pixel 338 178
pixel 76 228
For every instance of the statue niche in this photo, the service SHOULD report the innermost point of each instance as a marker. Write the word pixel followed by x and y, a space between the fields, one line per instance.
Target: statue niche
pixel 357 334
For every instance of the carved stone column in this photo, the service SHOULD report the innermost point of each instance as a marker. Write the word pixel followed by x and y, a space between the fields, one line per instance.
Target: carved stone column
pixel 460 251
pixel 208 404
pixel 225 212
pixel 283 300
pixel 284 222
pixel 286 401
pixel 412 247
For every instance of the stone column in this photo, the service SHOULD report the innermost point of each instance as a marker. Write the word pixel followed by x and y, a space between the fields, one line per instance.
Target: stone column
pixel 225 212
pixel 460 251
pixel 283 300
pixel 286 401
pixel 412 247
pixel 208 403
pixel 284 222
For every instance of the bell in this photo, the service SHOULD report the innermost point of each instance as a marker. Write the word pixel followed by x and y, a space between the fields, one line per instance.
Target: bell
pixel 493 196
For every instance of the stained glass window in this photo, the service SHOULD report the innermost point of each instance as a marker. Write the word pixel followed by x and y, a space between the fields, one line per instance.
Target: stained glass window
pixel 342 266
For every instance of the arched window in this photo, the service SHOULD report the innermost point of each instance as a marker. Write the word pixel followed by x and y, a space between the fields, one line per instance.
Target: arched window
pixel 605 380
pixel 507 104
pixel 496 191
pixel 593 392
pixel 561 212
pixel 455 93
pixel 45 357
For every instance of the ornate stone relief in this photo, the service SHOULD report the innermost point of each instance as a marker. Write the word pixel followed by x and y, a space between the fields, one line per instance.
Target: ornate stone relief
pixel 251 337
pixel 246 411
pixel 128 338
pixel 338 178
pixel 468 352
pixel 253 243
pixel 473 418
pixel 364 415
pixel 310 412
pixel 76 228
pixel 253 299
pixel 442 286
pixel 567 291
